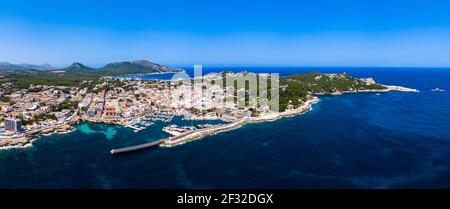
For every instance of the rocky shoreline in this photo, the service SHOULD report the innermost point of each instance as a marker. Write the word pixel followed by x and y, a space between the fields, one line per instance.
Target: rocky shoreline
pixel 26 139
pixel 198 134
pixel 387 89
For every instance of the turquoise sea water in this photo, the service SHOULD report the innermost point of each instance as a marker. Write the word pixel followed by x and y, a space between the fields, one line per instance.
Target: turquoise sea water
pixel 392 140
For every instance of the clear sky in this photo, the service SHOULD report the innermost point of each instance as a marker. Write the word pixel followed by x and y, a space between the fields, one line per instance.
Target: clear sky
pixel 227 32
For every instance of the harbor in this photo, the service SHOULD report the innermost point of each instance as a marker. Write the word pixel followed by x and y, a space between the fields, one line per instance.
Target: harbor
pixel 141 123
pixel 181 138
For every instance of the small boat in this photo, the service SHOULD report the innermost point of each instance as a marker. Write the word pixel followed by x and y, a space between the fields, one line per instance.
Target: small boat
pixel 378 94
pixel 437 89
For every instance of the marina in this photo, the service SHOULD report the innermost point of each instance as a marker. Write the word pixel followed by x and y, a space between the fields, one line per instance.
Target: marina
pixel 159 117
pixel 138 124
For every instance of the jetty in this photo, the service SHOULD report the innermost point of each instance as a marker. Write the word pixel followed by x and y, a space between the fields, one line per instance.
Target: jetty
pixel 146 145
pixel 136 147
pixel 179 139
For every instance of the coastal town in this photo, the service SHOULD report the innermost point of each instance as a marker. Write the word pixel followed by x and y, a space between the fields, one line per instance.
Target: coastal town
pixel 136 103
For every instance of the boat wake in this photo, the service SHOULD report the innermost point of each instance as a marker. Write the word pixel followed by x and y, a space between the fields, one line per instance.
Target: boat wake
pixel 437 89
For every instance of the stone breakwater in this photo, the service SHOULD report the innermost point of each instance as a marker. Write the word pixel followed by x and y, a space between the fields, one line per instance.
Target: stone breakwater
pixel 197 134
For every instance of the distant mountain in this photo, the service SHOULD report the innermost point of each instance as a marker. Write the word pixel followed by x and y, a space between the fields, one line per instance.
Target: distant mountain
pixel 37 67
pixel 120 68
pixel 136 67
pixel 24 66
pixel 77 67
pixel 8 66
pixel 112 69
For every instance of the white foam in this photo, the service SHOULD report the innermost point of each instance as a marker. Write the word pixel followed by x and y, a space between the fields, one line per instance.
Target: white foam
pixel 19 146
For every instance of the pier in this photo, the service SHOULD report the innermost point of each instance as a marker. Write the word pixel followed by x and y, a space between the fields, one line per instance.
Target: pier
pixel 146 145
pixel 137 147
pixel 179 139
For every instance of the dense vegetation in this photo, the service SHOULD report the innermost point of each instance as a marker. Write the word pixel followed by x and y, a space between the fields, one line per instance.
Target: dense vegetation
pixel 4 98
pixel 24 80
pixel 118 68
pixel 66 104
pixel 296 88
pixel 39 117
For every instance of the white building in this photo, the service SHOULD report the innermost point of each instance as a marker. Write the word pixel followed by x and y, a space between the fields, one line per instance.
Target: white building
pixel 13 124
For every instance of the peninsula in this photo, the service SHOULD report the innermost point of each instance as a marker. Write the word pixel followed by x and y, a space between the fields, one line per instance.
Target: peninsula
pixel 37 103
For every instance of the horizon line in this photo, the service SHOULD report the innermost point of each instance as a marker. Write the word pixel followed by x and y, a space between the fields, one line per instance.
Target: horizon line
pixel 237 65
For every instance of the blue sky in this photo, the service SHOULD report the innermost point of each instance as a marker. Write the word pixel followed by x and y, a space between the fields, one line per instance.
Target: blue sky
pixel 227 32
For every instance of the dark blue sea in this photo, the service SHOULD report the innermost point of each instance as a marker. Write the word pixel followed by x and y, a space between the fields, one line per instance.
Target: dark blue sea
pixel 392 140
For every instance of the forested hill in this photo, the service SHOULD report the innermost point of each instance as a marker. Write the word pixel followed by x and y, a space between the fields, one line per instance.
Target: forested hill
pixel 77 72
pixel 296 88
pixel 111 69
pixel 119 68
